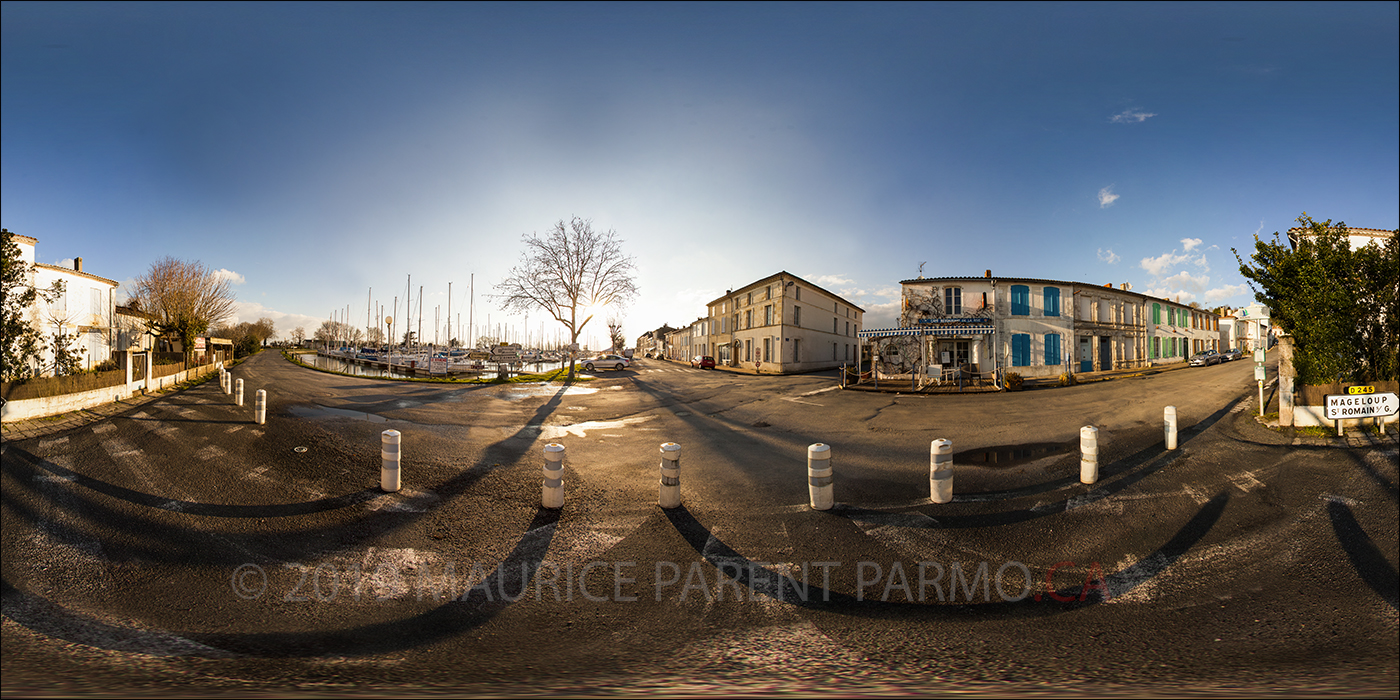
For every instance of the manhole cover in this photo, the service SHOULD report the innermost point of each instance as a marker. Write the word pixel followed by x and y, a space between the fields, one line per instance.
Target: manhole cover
pixel 298 449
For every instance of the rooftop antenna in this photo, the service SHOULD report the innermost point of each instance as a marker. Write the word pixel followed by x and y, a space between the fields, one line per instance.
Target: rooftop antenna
pixel 921 269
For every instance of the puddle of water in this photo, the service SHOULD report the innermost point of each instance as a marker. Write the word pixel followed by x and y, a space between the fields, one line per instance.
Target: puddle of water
pixel 319 411
pixel 1011 455
pixel 553 432
pixel 525 391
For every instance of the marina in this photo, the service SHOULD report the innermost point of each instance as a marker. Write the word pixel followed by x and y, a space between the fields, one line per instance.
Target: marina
pixel 447 364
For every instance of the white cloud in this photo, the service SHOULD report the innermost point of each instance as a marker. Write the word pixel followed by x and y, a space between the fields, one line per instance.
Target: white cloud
pixel 283 323
pixel 230 275
pixel 1229 290
pixel 1189 243
pixel 1131 116
pixel 829 281
pixel 1163 263
pixel 1107 197
pixel 1108 256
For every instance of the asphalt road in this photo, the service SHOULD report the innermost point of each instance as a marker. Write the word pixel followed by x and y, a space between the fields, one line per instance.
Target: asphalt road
pixel 182 548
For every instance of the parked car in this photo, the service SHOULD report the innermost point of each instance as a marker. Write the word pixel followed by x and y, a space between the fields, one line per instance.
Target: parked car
pixel 703 362
pixel 606 361
pixel 1206 359
pixel 1231 354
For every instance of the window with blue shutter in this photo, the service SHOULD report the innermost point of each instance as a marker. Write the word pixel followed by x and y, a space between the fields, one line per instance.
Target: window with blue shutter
pixel 1020 300
pixel 1052 349
pixel 1021 350
pixel 1052 301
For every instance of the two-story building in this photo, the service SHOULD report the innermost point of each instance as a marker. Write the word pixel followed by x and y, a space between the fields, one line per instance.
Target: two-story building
pixel 783 324
pixel 84 312
pixel 1035 327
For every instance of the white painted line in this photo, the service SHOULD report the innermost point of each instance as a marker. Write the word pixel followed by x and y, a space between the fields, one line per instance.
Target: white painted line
pixel 805 403
pixel 820 391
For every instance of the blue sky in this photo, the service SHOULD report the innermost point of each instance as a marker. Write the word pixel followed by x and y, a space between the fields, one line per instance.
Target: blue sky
pixel 316 151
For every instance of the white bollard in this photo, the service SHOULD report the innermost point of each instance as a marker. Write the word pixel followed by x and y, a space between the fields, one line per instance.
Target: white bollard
pixel 1088 454
pixel 552 492
pixel 260 407
pixel 940 471
pixel 224 382
pixel 390 442
pixel 670 491
pixel 1169 426
pixel 238 391
pixel 819 476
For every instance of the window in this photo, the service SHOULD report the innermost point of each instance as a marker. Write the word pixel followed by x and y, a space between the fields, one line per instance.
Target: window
pixel 952 300
pixel 1052 349
pixel 797 292
pixel 1020 350
pixel 797 316
pixel 748 318
pixel 1156 347
pixel 768 315
pixel 848 328
pixel 1052 301
pixel 1157 314
pixel 748 350
pixel 960 352
pixel 1171 352
pixel 768 292
pixel 767 350
pixel 834 328
pixel 1020 300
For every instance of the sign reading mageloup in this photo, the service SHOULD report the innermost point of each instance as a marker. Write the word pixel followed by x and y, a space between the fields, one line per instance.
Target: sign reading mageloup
pixel 1361 406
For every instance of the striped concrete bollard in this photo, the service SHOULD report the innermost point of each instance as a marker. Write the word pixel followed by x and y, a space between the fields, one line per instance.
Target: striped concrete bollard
pixel 940 471
pixel 224 382
pixel 392 459
pixel 552 491
pixel 670 490
pixel 1088 454
pixel 819 476
pixel 238 391
pixel 260 407
pixel 1169 426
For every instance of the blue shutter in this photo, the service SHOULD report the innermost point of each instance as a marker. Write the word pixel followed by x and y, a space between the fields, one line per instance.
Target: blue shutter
pixel 1052 301
pixel 1020 300
pixel 1052 349
pixel 1021 350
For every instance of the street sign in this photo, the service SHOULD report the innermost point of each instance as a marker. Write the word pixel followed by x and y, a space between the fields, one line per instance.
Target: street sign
pixel 437 365
pixel 1361 406
pixel 478 355
pixel 1259 374
pixel 506 353
pixel 1361 390
pixel 1259 355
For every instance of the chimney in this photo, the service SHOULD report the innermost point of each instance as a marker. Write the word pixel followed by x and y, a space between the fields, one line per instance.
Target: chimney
pixel 989 274
pixel 78 264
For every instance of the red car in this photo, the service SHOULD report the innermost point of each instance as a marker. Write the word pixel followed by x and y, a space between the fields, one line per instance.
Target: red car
pixel 703 362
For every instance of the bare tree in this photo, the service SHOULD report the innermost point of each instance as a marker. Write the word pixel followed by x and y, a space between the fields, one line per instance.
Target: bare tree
pixel 299 335
pixel 570 272
pixel 186 297
pixel 615 334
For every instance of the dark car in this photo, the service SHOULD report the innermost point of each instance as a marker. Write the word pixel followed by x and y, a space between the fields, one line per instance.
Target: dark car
pixel 1206 359
pixel 703 362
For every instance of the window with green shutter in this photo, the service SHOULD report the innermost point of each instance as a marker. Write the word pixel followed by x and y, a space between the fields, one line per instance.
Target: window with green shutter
pixel 1157 314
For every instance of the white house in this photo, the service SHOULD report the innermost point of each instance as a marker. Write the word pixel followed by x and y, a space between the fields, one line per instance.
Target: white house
pixel 783 324
pixel 86 309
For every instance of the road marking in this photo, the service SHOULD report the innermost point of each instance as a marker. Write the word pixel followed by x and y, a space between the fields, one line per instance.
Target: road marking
pixel 807 403
pixel 46 445
pixel 1245 481
pixel 554 432
pixel 101 428
pixel 234 429
pixel 1195 495
pixel 210 452
pixel 820 391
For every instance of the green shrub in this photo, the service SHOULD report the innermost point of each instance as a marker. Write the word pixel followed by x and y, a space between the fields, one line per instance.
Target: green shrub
pixel 1068 379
